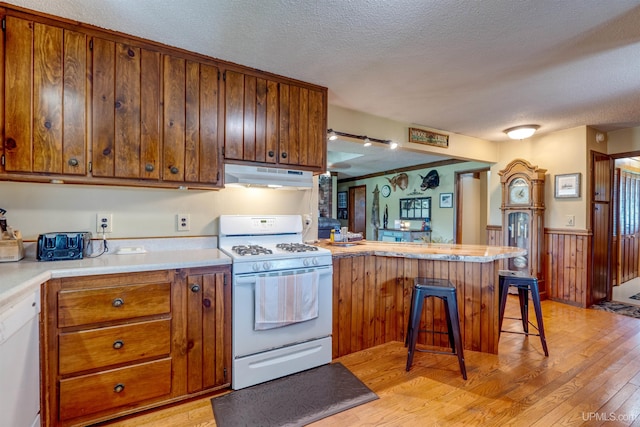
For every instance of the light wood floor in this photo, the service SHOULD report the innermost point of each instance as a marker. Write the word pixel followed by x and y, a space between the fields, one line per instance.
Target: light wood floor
pixel 591 377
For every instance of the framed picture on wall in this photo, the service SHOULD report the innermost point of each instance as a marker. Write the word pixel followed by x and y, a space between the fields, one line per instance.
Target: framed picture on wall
pixel 342 200
pixel 446 200
pixel 567 186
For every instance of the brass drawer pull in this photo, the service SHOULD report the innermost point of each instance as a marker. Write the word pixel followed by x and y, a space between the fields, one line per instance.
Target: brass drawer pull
pixel 118 344
pixel 118 302
pixel 119 388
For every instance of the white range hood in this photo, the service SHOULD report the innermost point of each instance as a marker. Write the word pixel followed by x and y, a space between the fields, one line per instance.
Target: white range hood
pixel 262 176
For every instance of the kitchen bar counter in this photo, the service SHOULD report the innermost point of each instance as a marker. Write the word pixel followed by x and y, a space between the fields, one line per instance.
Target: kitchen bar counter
pixel 19 279
pixel 373 283
pixel 433 251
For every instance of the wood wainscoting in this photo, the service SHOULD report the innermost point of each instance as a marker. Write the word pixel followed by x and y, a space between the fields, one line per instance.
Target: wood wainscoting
pixel 372 299
pixel 566 263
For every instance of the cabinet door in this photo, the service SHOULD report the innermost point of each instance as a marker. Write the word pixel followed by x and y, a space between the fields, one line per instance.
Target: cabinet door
pixel 302 123
pixel 45 98
pixel 126 111
pixel 251 117
pixel 190 145
pixel 207 330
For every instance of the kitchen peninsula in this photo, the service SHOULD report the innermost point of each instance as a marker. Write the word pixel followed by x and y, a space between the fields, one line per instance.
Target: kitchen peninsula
pixel 372 284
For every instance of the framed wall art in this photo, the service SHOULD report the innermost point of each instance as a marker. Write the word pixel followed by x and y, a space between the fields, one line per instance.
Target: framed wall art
pixel 415 208
pixel 567 186
pixel 427 137
pixel 446 200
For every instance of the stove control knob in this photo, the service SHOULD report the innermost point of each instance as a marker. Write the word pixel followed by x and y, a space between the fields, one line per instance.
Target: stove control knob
pixel 266 265
pixel 306 262
pixel 315 261
pixel 256 267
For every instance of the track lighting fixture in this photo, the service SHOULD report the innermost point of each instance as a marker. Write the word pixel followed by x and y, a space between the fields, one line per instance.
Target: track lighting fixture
pixel 333 135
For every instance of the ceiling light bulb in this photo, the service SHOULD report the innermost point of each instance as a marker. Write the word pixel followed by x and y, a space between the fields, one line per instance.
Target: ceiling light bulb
pixel 393 145
pixel 367 142
pixel 521 132
pixel 332 135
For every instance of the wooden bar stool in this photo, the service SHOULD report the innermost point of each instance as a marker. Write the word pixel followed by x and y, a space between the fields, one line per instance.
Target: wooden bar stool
pixel 524 284
pixel 438 288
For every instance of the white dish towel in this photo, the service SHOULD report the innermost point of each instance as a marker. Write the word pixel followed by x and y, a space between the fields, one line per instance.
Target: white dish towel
pixel 283 300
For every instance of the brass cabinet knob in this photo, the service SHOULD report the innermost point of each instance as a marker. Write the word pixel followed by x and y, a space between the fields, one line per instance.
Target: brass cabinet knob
pixel 118 302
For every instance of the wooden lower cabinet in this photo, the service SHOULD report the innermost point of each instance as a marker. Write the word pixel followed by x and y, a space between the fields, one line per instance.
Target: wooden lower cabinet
pixel 116 344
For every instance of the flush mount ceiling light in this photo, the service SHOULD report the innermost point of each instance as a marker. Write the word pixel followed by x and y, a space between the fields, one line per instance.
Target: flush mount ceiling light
pixel 521 132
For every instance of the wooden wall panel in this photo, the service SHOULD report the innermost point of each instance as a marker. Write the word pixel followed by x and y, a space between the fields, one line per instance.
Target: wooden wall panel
pixel 372 301
pixel 567 256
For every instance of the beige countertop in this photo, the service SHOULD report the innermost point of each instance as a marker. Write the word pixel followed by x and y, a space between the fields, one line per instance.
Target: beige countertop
pixel 22 278
pixel 435 251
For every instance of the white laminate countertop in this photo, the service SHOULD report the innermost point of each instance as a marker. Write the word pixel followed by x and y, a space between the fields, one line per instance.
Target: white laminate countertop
pixel 19 279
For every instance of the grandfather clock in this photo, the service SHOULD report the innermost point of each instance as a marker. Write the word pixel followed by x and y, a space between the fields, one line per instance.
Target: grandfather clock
pixel 523 215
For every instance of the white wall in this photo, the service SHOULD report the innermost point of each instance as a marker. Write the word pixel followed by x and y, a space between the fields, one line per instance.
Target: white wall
pixel 142 212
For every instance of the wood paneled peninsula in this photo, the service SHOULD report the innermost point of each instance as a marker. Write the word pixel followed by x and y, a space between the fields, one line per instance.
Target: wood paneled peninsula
pixel 372 284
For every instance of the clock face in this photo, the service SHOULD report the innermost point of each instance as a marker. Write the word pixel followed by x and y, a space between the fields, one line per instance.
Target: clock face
pixel 386 190
pixel 519 192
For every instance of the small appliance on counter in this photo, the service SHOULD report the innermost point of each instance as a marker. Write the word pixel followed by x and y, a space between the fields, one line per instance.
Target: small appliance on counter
pixel 11 246
pixel 61 246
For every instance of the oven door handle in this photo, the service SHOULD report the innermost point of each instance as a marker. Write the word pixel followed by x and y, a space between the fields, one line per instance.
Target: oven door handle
pixel 251 279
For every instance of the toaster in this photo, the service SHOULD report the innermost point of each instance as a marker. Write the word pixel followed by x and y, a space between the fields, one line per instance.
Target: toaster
pixel 63 245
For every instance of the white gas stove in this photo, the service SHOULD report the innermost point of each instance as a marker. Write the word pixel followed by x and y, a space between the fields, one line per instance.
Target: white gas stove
pixel 281 282
pixel 268 243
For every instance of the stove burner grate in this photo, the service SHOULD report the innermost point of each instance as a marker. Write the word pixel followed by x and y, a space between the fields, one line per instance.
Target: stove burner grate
pixel 251 250
pixel 296 247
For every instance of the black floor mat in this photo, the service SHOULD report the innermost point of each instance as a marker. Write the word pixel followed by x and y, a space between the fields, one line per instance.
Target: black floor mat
pixel 295 400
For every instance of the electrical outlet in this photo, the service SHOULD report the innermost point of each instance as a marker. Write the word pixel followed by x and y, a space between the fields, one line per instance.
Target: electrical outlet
pixel 183 222
pixel 104 222
pixel 571 220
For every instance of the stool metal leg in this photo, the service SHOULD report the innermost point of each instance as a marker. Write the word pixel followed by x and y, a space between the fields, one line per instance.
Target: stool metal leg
pixel 416 314
pixel 523 296
pixel 455 331
pixel 504 291
pixel 450 333
pixel 535 295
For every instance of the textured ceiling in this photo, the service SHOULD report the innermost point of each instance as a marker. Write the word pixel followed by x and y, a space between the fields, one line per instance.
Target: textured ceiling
pixel 465 66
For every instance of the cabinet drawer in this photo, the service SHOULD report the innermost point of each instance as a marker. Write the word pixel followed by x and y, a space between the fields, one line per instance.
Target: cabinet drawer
pixel 89 394
pixel 86 306
pixel 98 348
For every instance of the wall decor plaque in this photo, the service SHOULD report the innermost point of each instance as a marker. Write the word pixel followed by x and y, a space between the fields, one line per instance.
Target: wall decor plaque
pixel 427 137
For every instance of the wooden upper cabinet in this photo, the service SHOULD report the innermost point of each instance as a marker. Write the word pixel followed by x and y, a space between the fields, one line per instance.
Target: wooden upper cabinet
pixel 251 118
pixel 274 122
pixel 126 111
pixel 302 126
pixel 191 148
pixel 45 98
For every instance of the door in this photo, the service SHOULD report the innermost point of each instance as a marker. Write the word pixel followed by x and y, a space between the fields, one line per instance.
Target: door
pixel 471 198
pixel 358 210
pixel 601 207
pixel 45 103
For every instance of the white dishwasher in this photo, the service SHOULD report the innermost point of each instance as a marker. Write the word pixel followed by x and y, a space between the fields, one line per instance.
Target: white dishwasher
pixel 20 363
